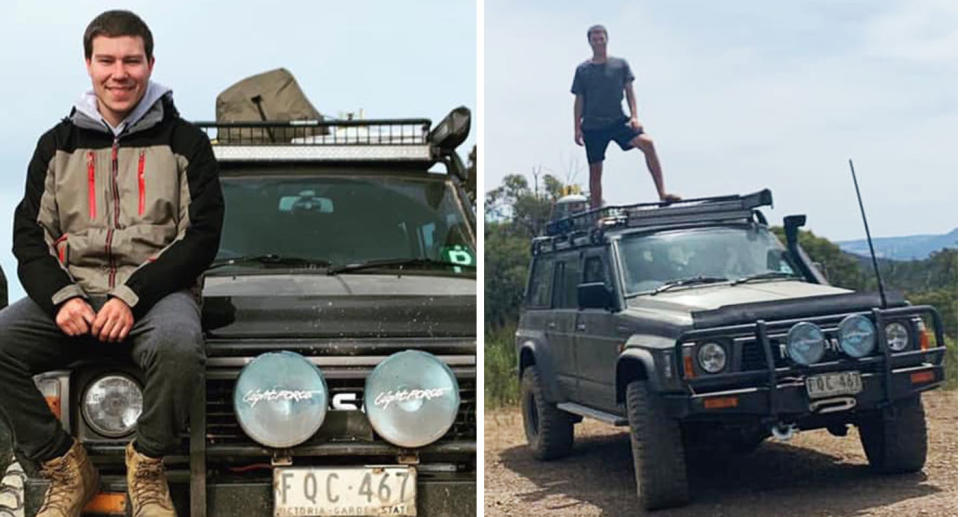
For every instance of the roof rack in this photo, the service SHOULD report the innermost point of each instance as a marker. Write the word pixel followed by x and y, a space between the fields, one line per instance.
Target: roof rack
pixel 305 140
pixel 699 210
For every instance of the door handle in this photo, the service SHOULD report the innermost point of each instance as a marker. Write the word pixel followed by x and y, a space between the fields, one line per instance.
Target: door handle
pixel 552 325
pixel 582 327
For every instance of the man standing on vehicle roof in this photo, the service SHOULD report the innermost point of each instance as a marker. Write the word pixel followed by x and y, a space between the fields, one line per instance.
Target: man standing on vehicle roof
pixel 599 84
pixel 121 215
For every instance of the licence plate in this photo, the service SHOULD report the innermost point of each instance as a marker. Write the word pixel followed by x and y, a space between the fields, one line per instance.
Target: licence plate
pixel 373 490
pixel 836 383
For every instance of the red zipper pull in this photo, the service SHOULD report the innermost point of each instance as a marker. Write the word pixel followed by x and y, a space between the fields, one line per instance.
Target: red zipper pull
pixel 140 183
pixel 92 184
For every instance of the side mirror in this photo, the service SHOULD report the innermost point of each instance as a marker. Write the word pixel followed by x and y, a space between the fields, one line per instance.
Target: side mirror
pixel 594 295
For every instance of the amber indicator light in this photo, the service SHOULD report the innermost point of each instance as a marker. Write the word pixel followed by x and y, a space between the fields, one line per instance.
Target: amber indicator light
pixel 924 341
pixel 720 402
pixel 688 367
pixel 109 503
pixel 54 403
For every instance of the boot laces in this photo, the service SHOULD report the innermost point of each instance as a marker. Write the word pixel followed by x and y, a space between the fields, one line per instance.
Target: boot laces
pixel 61 488
pixel 150 483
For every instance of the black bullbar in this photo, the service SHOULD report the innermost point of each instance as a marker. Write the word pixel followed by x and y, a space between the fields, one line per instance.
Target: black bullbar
pixel 780 389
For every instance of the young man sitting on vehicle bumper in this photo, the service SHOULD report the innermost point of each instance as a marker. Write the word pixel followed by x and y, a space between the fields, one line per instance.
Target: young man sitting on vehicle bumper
pixel 121 214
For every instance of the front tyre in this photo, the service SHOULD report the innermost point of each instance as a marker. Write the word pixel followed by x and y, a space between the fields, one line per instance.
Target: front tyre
pixel 895 438
pixel 549 430
pixel 658 453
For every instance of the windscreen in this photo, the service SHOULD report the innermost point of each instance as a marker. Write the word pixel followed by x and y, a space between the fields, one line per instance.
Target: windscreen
pixel 344 219
pixel 649 261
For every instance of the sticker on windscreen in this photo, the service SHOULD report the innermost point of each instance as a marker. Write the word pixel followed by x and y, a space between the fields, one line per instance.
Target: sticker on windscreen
pixel 460 255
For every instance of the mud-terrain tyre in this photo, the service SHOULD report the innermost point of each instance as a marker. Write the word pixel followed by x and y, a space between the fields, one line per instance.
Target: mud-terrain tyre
pixel 895 438
pixel 659 464
pixel 549 430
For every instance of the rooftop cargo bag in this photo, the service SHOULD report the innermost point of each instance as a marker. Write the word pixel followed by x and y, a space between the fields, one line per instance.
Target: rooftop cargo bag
pixel 270 96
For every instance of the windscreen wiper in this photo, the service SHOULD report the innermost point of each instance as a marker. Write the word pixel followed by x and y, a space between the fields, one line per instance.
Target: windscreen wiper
pixel 761 276
pixel 270 259
pixel 690 281
pixel 397 262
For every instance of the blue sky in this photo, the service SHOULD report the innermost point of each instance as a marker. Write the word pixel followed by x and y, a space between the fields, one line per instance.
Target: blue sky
pixel 393 59
pixel 741 95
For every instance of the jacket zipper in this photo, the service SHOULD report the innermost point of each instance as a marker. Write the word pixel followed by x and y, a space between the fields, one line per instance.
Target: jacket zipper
pixel 116 213
pixel 141 185
pixel 92 185
pixel 61 251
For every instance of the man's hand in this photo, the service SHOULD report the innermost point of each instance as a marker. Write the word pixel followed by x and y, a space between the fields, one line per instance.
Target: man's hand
pixel 670 198
pixel 578 136
pixel 113 322
pixel 75 316
pixel 635 124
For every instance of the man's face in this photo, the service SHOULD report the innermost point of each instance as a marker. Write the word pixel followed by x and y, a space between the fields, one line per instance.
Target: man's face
pixel 120 71
pixel 598 39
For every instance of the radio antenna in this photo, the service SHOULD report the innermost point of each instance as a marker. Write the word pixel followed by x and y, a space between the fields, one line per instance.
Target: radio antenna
pixel 873 255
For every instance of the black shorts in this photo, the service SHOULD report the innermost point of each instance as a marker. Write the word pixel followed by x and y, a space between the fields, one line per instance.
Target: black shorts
pixel 596 140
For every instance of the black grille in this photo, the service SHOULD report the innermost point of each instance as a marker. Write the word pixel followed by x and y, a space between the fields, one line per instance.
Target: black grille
pixel 753 358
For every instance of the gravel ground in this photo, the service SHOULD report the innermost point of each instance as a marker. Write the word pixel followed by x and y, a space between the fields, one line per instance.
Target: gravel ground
pixel 814 474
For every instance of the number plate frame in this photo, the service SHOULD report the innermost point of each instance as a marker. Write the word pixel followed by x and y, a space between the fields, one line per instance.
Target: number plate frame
pixel 338 490
pixel 834 384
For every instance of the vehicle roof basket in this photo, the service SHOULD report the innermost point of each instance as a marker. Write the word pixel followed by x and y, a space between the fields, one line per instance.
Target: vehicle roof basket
pixel 348 140
pixel 688 211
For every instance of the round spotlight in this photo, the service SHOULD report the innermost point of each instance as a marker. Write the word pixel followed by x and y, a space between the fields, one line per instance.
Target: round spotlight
pixel 280 399
pixel 805 343
pixel 712 357
pixel 111 405
pixel 897 336
pixel 411 398
pixel 857 335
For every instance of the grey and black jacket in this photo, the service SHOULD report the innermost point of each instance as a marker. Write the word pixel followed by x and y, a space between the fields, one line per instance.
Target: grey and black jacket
pixel 134 215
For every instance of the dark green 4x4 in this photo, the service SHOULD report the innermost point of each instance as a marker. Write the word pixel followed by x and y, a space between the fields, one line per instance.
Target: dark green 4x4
pixel 694 326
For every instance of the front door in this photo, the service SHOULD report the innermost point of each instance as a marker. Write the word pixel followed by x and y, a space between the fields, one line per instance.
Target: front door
pixel 599 340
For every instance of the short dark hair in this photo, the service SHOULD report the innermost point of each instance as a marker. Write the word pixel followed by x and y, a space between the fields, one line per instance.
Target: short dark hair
pixel 116 23
pixel 597 28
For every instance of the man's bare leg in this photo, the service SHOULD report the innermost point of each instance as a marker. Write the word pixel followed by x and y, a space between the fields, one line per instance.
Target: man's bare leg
pixel 645 144
pixel 596 188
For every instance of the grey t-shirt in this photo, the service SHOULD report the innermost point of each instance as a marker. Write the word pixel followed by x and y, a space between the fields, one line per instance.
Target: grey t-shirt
pixel 601 85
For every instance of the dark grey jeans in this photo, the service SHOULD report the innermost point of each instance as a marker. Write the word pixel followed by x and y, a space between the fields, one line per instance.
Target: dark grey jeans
pixel 166 344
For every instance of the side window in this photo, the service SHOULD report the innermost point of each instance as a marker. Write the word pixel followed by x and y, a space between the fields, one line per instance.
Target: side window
pixel 539 294
pixel 566 280
pixel 594 270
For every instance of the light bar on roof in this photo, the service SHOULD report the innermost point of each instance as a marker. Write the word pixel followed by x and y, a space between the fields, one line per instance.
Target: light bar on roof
pixel 348 153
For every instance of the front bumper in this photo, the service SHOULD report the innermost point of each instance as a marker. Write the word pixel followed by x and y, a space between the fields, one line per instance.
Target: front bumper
pixel 437 495
pixel 779 391
pixel 790 398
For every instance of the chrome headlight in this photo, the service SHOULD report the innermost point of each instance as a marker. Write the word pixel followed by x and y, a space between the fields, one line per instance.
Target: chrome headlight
pixel 411 398
pixel 857 335
pixel 111 405
pixel 280 399
pixel 897 336
pixel 805 343
pixel 712 357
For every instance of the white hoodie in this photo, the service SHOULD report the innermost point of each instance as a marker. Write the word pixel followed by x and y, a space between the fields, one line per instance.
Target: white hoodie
pixel 87 107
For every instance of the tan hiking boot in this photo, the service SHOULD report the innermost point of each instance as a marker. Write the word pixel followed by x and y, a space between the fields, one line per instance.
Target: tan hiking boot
pixel 147 485
pixel 73 482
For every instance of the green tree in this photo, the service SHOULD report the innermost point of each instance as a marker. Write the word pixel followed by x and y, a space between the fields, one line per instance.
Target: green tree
pixel 515 213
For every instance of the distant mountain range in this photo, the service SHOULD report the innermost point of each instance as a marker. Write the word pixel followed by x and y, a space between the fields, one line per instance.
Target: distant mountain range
pixel 910 247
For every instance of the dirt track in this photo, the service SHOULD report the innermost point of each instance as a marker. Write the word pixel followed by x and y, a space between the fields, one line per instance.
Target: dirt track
pixel 815 474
